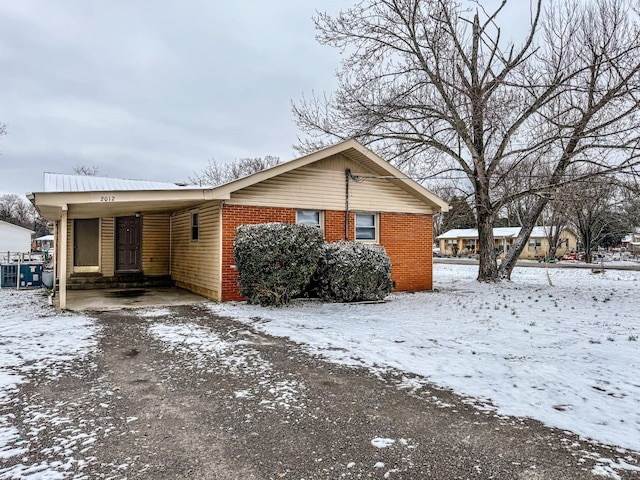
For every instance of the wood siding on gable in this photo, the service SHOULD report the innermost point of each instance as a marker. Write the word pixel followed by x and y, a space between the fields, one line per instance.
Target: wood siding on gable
pixel 195 265
pixel 156 238
pixel 315 188
pixel 340 163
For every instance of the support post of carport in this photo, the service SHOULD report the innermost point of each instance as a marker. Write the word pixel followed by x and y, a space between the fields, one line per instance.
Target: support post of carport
pixel 62 266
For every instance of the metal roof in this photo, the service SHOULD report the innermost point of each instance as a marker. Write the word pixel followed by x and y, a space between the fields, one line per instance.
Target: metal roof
pixel 57 182
pixel 459 233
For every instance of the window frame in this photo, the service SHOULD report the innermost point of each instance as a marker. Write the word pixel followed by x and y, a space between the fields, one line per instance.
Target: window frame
pixel 320 217
pixel 471 241
pixel 376 227
pixel 195 226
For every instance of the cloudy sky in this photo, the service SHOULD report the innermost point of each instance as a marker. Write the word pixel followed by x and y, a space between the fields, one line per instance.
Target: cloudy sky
pixel 151 89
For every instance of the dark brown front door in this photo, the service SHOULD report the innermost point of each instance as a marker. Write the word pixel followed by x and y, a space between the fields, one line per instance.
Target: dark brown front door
pixel 128 244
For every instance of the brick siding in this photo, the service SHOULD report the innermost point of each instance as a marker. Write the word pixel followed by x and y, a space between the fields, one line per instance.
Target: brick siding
pixel 406 237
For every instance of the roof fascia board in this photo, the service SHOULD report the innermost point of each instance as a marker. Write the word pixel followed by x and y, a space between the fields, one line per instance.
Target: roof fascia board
pixel 71 198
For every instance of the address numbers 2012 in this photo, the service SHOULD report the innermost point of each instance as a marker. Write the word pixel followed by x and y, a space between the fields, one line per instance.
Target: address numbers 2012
pixel 108 198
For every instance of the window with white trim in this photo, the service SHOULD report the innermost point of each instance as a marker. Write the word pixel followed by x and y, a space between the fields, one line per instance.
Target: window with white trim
pixel 309 217
pixel 366 227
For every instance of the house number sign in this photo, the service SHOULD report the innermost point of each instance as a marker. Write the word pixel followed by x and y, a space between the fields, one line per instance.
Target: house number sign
pixel 108 198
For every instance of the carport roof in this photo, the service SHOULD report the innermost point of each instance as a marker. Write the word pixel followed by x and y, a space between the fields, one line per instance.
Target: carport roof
pixel 57 182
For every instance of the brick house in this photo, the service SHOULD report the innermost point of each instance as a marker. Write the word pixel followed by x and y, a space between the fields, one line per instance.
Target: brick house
pixel 112 232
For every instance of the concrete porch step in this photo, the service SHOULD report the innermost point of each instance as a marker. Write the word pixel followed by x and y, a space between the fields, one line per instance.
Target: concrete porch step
pixel 90 281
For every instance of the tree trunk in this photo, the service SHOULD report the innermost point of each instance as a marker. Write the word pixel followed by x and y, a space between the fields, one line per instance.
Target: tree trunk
pixel 588 254
pixel 488 271
pixel 511 258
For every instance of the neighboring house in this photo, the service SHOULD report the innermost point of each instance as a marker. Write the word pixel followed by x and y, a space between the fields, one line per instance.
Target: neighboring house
pixel 44 243
pixel 465 241
pixel 111 231
pixel 14 239
pixel 631 242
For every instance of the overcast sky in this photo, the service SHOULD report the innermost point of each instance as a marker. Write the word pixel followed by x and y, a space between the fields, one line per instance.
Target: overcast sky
pixel 151 89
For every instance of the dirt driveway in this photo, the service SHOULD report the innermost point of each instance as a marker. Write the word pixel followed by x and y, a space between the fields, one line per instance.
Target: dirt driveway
pixel 181 393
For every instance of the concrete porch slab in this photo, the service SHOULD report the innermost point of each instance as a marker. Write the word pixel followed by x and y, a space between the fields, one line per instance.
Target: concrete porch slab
pixel 118 298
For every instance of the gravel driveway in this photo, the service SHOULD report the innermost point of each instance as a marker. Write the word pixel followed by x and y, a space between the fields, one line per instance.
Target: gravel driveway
pixel 181 393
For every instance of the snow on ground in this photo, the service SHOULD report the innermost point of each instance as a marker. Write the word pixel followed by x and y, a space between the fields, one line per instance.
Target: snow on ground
pixel 567 355
pixel 35 339
pixel 208 352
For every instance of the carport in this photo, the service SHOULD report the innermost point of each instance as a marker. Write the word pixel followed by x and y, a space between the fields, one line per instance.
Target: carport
pixel 107 299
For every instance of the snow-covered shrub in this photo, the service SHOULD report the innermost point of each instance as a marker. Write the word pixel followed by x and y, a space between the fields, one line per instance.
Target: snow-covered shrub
pixel 353 272
pixel 275 261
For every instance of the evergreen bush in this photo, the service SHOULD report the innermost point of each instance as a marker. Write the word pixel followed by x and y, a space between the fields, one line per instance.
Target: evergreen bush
pixel 276 261
pixel 353 272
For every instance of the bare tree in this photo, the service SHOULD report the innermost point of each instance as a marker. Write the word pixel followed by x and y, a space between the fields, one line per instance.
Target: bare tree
pixel 555 219
pixel 595 209
pixel 90 171
pixel 216 173
pixel 429 82
pixel 18 210
pixel 8 203
pixel 460 215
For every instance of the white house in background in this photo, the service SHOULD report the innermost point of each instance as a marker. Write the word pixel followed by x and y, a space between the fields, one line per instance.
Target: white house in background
pixel 465 241
pixel 14 239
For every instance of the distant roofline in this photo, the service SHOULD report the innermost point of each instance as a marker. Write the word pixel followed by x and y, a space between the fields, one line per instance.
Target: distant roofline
pixel 17 226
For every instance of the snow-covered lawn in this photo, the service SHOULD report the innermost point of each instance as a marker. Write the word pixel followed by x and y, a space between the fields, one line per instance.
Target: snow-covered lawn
pixel 35 339
pixel 567 355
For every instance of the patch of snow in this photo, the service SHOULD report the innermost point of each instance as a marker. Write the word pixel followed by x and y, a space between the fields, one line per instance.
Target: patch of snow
pixel 566 355
pixel 606 467
pixel 155 313
pixel 382 442
pixel 36 339
pixel 604 471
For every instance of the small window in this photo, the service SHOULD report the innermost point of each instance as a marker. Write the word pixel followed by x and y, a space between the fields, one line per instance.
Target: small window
pixel 195 227
pixel 366 227
pixel 470 245
pixel 309 217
